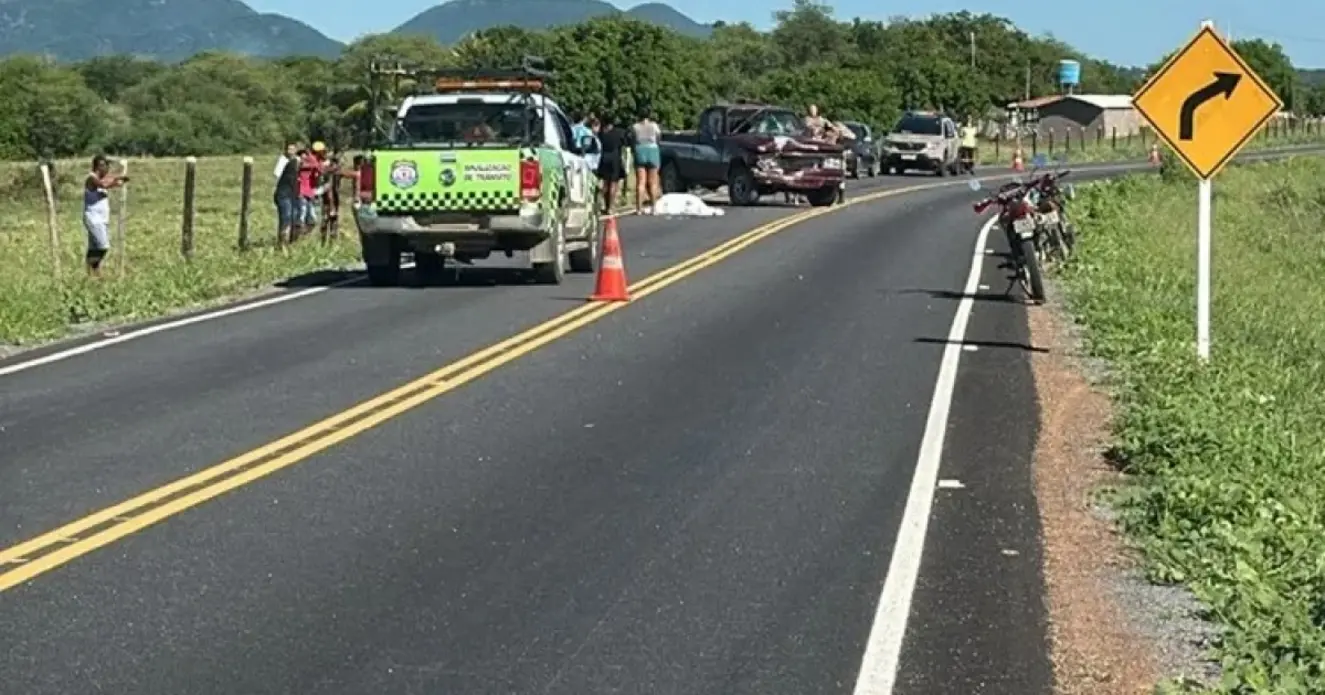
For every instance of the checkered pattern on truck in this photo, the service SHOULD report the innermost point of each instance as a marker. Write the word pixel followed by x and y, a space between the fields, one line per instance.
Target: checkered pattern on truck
pixel 426 191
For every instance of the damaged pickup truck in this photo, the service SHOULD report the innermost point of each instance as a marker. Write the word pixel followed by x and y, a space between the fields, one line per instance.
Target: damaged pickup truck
pixel 754 150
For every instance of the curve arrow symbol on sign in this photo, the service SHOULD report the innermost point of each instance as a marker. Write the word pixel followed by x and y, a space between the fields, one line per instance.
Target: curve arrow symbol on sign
pixel 1225 83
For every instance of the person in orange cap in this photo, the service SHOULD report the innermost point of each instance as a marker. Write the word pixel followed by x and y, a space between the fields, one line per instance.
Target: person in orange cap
pixel 311 166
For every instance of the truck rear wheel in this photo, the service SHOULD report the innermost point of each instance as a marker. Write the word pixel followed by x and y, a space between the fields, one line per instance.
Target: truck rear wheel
pixel 553 272
pixel 586 260
pixel 381 257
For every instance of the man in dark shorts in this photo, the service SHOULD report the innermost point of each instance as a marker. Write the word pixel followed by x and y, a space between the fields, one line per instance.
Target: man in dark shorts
pixel 611 162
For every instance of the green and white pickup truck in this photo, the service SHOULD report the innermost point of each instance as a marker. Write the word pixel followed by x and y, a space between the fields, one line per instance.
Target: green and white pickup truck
pixel 485 163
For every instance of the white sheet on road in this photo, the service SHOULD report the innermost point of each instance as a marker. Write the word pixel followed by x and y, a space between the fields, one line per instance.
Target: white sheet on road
pixel 685 205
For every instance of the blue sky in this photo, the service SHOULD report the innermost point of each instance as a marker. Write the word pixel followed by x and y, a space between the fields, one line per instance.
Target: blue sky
pixel 1132 32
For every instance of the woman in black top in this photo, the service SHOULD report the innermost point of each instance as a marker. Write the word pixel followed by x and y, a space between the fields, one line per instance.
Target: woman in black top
pixel 612 165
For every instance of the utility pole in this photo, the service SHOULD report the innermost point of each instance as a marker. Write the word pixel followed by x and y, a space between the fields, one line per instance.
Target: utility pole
pixel 972 50
pixel 1028 80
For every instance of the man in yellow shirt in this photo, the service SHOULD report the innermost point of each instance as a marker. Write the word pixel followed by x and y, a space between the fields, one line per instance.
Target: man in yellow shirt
pixel 966 151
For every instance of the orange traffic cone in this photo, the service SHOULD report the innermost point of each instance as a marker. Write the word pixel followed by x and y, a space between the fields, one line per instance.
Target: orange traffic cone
pixel 1017 164
pixel 1154 153
pixel 611 286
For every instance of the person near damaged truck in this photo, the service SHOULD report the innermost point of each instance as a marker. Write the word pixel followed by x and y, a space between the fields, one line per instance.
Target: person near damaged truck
pixel 611 169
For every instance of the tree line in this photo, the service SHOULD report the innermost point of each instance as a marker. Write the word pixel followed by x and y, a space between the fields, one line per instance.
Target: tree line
pixel 217 103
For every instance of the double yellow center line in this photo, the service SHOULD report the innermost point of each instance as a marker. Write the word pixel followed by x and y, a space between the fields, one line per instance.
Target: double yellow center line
pixel 50 550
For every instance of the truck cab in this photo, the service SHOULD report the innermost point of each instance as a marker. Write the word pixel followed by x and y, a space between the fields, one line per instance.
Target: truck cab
pixel 755 150
pixel 485 164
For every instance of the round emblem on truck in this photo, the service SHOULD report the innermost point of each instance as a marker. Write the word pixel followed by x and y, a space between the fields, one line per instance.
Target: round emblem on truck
pixel 404 174
pixel 447 177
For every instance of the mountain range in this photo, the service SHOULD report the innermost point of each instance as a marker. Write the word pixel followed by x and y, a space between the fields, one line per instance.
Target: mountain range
pixel 173 30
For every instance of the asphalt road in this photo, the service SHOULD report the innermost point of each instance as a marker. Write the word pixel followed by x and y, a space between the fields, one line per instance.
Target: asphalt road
pixel 699 492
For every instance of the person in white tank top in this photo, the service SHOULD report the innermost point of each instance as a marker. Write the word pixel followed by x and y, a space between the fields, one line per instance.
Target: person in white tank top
pixel 96 210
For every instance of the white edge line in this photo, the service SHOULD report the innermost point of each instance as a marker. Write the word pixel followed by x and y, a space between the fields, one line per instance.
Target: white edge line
pixel 883 650
pixel 189 321
pixel 170 325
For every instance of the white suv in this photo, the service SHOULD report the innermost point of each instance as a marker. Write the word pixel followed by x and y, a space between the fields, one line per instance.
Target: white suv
pixel 922 140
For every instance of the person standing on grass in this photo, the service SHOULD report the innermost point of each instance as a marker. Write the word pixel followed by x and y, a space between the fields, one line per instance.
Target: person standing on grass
pixel 331 193
pixel 286 193
pixel 310 170
pixel 611 162
pixel 96 210
pixel 648 160
pixel 291 153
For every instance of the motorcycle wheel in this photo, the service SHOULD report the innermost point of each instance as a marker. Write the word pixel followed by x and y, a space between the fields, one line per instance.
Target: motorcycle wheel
pixel 1069 234
pixel 1031 275
pixel 1054 244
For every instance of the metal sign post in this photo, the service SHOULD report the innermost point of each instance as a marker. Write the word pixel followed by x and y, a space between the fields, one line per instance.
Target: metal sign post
pixel 1206 103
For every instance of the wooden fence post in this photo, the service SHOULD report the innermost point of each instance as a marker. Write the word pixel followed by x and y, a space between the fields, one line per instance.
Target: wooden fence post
pixel 52 223
pixel 186 229
pixel 245 202
pixel 123 260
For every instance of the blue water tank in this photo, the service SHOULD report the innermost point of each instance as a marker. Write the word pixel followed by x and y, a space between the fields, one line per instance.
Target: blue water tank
pixel 1069 73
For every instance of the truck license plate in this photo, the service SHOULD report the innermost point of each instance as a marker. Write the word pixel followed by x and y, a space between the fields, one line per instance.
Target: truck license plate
pixel 1024 227
pixel 832 163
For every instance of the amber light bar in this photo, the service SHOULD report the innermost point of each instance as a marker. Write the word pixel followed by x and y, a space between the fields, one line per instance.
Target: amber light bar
pixel 452 84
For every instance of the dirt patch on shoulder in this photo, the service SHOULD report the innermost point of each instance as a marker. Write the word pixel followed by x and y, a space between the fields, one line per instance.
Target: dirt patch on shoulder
pixel 1097 648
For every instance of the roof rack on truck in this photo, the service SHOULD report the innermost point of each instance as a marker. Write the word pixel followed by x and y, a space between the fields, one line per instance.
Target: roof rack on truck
pixel 386 77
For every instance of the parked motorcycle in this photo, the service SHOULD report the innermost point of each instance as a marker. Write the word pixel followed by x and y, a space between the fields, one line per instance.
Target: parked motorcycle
pixel 1051 207
pixel 1017 218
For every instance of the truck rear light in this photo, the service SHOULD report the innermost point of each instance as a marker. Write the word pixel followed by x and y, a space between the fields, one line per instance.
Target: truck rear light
pixel 531 180
pixel 367 187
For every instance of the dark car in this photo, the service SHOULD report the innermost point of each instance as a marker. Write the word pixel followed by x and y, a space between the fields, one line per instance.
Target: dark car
pixel 754 150
pixel 862 152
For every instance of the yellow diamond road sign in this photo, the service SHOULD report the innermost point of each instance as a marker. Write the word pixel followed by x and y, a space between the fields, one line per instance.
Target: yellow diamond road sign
pixel 1206 102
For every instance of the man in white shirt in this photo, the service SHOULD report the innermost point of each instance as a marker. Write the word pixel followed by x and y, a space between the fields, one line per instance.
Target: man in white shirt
pixel 284 159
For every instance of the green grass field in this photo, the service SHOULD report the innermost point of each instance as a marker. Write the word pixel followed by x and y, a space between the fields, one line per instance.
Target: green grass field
pixel 155 278
pixel 1228 458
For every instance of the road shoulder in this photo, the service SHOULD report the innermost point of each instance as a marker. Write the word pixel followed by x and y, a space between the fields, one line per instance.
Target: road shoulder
pixel 1111 632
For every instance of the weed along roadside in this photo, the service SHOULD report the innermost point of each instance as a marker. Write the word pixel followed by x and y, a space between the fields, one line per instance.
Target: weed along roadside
pixel 1226 460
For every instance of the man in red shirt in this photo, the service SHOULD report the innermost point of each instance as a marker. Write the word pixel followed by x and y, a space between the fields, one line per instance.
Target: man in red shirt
pixel 311 164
